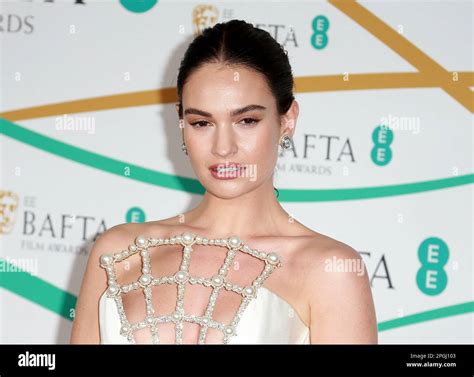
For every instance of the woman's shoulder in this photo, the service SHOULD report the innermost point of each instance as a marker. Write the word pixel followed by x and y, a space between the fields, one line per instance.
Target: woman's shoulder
pixel 314 247
pixel 336 286
pixel 321 246
pixel 334 270
pixel 320 253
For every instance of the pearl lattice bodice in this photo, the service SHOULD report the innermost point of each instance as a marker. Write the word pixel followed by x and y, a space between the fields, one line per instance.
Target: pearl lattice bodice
pixel 181 278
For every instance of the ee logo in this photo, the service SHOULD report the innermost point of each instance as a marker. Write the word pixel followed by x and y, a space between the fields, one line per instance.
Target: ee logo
pixel 319 38
pixel 381 153
pixel 433 254
pixel 135 215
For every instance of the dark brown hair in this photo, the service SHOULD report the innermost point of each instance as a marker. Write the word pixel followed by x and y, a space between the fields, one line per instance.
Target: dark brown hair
pixel 237 42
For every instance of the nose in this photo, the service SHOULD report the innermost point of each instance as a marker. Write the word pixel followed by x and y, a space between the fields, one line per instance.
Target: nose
pixel 224 143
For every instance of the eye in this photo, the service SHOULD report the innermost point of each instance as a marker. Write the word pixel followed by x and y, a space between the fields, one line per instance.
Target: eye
pixel 199 124
pixel 250 121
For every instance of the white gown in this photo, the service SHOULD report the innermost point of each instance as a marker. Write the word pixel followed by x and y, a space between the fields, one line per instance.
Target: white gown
pixel 268 319
pixel 263 317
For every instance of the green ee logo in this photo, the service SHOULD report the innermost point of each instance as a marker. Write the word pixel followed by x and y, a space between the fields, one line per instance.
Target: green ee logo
pixel 381 154
pixel 433 254
pixel 135 215
pixel 320 25
pixel 138 6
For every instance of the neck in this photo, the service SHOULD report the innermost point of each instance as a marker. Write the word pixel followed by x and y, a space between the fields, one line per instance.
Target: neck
pixel 256 213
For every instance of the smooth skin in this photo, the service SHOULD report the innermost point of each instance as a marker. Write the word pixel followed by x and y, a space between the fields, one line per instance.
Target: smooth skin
pixel 337 306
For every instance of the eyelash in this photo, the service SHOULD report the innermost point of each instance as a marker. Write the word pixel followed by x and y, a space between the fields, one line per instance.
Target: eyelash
pixel 254 121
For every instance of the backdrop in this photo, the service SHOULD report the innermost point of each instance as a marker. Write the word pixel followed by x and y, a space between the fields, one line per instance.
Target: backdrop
pixel 382 157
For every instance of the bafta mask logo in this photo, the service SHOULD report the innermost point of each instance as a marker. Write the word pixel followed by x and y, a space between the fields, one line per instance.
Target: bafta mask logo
pixel 8 205
pixel 204 16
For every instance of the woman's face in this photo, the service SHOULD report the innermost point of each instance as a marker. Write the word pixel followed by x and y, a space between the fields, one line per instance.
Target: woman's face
pixel 230 117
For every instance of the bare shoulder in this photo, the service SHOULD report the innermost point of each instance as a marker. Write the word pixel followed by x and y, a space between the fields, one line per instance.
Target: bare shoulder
pixel 113 240
pixel 332 265
pixel 319 249
pixel 338 292
pixel 329 261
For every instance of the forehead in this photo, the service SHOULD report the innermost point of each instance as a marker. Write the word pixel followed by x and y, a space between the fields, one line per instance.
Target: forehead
pixel 218 87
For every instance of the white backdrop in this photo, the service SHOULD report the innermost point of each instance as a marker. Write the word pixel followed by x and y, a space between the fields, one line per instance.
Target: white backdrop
pixel 89 140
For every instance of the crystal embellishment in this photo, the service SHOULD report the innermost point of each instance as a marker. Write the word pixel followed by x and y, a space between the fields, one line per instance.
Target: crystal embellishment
pixel 218 281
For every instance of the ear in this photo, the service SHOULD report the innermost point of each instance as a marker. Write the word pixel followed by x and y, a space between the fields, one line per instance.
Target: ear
pixel 288 120
pixel 177 108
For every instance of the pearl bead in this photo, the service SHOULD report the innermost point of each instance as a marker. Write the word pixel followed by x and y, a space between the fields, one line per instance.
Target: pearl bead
pixel 273 258
pixel 113 290
pixel 176 315
pixel 145 279
pixel 205 320
pixel 234 241
pixel 181 276
pixel 141 241
pixel 187 238
pixel 106 259
pixel 229 330
pixel 217 280
pixel 249 291
pixel 132 248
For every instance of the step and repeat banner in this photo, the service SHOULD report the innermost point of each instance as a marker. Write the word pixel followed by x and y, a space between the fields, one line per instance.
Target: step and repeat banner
pixel 382 156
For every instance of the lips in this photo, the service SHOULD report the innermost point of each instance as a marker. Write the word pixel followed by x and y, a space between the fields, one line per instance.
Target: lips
pixel 228 170
pixel 224 165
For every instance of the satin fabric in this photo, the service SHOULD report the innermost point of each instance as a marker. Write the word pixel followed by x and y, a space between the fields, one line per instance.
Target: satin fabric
pixel 268 319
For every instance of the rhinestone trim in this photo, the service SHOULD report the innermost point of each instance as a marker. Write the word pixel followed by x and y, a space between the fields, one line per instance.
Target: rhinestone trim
pixel 180 278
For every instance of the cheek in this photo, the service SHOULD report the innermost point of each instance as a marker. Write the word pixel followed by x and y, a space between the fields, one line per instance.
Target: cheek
pixel 199 141
pixel 199 152
pixel 262 149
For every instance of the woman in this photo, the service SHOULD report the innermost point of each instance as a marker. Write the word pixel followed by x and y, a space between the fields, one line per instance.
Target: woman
pixel 236 109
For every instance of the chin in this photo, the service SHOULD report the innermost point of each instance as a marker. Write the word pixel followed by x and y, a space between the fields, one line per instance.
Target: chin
pixel 227 190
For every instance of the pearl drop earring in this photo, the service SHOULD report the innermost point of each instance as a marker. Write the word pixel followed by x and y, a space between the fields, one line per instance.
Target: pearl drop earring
pixel 184 149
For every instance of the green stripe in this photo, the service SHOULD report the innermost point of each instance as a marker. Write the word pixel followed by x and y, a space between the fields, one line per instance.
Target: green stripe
pixel 98 161
pixel 36 290
pixel 61 302
pixel 193 186
pixel 447 311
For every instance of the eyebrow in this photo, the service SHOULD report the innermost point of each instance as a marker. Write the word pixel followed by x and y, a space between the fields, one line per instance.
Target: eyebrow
pixel 192 110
